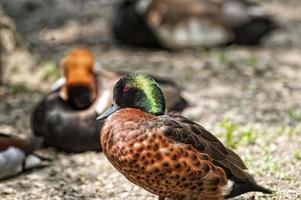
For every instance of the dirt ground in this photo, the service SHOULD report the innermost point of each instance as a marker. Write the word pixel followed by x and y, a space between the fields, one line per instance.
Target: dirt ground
pixel 257 89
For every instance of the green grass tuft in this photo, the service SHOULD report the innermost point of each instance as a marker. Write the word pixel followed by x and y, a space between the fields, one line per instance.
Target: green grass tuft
pixel 50 71
pixel 297 155
pixel 295 114
pixel 252 62
pixel 271 164
pixel 235 135
pixel 18 88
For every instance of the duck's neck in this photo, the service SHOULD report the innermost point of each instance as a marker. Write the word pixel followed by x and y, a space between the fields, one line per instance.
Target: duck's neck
pixel 80 94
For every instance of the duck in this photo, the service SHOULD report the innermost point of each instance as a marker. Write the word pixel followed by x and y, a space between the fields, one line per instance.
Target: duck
pixel 17 155
pixel 176 24
pixel 164 152
pixel 64 116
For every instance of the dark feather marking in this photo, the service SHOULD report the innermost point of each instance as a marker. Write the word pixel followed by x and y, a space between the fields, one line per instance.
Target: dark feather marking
pixel 188 132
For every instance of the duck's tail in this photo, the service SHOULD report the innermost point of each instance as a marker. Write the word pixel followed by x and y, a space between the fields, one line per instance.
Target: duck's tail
pixel 254 30
pixel 239 188
pixel 32 144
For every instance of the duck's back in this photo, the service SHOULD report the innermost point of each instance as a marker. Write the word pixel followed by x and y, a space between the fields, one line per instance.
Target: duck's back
pixel 63 127
pixel 174 24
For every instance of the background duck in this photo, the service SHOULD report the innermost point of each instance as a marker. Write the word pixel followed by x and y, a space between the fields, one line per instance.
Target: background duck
pixel 16 155
pixel 167 154
pixel 176 24
pixel 65 116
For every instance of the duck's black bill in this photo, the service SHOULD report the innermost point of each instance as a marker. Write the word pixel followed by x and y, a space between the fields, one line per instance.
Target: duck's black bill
pixel 113 108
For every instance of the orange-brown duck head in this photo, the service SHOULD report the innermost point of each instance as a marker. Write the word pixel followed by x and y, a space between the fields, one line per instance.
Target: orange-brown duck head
pixel 80 87
pixel 137 90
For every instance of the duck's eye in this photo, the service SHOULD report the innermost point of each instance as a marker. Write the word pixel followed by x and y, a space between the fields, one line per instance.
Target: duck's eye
pixel 126 88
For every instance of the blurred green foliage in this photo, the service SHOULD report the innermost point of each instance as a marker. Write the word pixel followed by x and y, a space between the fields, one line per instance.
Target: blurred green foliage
pixel 235 135
pixel 295 114
pixel 18 88
pixel 50 71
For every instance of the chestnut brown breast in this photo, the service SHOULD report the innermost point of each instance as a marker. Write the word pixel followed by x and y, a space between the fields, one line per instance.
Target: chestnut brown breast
pixel 135 143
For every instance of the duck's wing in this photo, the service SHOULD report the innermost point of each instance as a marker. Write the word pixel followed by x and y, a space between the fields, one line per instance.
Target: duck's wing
pixel 182 130
pixel 179 24
pixel 28 146
pixel 206 22
pixel 223 12
pixel 7 141
pixel 159 12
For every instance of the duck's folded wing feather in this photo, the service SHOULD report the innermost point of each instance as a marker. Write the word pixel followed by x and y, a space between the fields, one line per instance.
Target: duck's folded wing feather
pixel 182 130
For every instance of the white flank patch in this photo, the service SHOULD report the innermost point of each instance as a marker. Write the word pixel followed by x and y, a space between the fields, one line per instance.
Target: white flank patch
pixel 142 6
pixel 256 11
pixel 193 33
pixel 102 102
pixel 180 35
pixel 234 13
pixel 226 190
pixel 32 161
pixel 58 83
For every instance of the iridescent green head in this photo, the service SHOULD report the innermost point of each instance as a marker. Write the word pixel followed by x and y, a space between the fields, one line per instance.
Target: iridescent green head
pixel 137 90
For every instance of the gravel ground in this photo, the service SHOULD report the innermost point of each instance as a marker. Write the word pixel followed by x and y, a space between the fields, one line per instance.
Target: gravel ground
pixel 254 87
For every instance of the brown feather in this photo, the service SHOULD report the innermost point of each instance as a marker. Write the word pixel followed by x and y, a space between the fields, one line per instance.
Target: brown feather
pixel 222 156
pixel 170 11
pixel 136 144
pixel 28 146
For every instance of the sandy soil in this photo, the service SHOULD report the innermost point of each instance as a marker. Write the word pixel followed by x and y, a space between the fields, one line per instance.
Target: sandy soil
pixel 257 87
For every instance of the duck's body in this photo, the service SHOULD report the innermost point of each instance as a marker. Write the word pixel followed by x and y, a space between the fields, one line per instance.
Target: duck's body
pixel 175 24
pixel 63 127
pixel 168 154
pixel 16 155
pixel 67 128
pixel 141 150
pixel 173 157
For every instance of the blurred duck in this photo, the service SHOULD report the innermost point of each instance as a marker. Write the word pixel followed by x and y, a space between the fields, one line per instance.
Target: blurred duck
pixel 65 116
pixel 176 24
pixel 16 155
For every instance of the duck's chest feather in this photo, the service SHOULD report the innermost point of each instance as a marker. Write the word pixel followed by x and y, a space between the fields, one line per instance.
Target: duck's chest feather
pixel 125 129
pixel 135 143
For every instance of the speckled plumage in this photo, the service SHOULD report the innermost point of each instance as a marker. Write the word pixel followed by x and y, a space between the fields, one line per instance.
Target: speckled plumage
pixel 145 153
pixel 167 154
pixel 166 158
